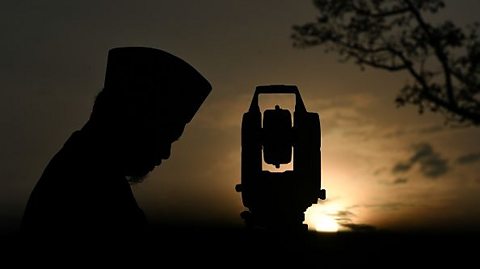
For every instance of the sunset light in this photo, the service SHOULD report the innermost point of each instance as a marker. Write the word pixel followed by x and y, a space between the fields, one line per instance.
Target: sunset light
pixel 230 127
pixel 325 223
pixel 324 217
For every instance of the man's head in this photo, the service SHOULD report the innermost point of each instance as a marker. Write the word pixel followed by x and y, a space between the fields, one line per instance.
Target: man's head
pixel 148 97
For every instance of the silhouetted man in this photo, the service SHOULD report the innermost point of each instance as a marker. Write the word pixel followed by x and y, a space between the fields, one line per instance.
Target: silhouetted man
pixel 149 96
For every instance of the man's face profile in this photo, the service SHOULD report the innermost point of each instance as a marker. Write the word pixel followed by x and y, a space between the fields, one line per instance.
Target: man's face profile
pixel 151 96
pixel 147 146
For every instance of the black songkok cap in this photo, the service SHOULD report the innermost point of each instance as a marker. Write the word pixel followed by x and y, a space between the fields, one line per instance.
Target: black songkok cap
pixel 178 87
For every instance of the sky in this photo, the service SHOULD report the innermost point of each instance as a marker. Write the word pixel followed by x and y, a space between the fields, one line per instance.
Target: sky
pixel 383 167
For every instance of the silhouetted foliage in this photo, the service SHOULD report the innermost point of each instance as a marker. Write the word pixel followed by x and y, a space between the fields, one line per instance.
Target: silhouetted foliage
pixel 442 58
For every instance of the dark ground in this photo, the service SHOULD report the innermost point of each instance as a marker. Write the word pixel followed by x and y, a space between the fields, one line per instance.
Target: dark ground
pixel 227 246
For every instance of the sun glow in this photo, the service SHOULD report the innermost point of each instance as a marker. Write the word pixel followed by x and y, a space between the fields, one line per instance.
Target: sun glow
pixel 325 223
pixel 323 218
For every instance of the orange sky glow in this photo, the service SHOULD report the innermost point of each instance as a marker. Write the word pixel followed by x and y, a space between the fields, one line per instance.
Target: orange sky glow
pixel 237 45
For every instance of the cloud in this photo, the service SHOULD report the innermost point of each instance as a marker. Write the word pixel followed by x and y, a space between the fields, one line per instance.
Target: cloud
pixel 383 206
pixel 343 216
pixel 431 129
pixel 379 171
pixel 415 130
pixel 468 158
pixel 344 213
pixel 356 227
pixel 346 114
pixel 396 181
pixel 400 180
pixel 431 164
pixel 345 219
pixel 402 167
pixel 395 133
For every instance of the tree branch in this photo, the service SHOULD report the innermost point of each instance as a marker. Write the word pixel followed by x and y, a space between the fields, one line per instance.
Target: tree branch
pixel 395 36
pixel 464 113
pixel 439 52
pixel 384 14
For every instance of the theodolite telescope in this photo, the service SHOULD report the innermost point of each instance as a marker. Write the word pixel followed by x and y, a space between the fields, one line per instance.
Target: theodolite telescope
pixel 278 200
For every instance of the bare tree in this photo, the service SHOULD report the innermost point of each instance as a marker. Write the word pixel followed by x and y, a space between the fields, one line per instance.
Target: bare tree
pixel 442 59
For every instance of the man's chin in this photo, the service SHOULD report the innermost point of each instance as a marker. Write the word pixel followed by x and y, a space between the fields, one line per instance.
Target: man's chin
pixel 139 176
pixel 136 179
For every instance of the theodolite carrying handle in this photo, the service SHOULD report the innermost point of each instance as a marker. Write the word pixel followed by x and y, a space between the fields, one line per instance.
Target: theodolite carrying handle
pixel 276 89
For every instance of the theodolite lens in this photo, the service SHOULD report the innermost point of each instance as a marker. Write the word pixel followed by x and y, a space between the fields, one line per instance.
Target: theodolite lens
pixel 277 136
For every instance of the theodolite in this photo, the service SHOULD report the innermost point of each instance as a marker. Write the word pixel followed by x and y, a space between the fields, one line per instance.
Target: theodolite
pixel 278 200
